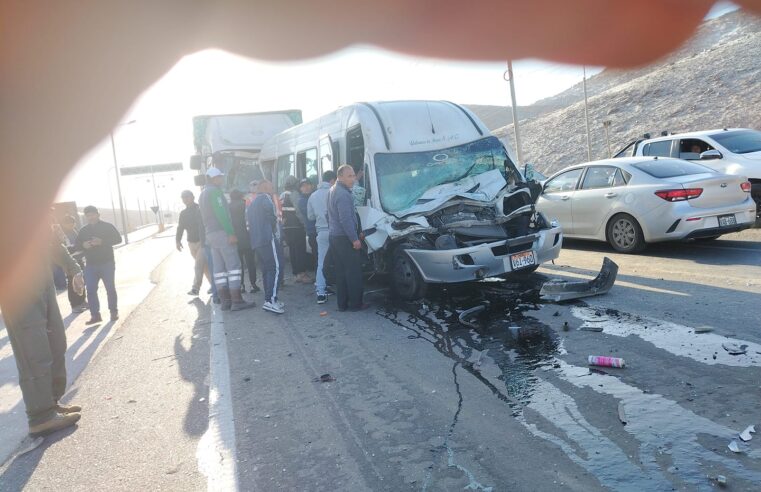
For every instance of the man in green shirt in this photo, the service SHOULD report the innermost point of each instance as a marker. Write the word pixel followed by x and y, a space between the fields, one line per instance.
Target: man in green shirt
pixel 38 339
pixel 221 238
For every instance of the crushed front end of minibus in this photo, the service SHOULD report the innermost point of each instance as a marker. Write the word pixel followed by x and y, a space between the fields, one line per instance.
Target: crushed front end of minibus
pixel 477 227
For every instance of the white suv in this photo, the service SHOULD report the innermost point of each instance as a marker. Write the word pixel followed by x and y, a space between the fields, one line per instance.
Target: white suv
pixel 729 150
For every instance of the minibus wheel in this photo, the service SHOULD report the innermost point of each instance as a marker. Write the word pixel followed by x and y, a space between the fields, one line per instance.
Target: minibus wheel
pixel 406 279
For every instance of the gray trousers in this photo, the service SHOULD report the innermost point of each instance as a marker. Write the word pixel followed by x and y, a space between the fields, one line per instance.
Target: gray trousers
pixel 38 340
pixel 199 256
pixel 224 260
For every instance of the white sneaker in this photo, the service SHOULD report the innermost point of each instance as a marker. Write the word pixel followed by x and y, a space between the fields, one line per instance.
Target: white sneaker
pixel 273 308
pixel 279 303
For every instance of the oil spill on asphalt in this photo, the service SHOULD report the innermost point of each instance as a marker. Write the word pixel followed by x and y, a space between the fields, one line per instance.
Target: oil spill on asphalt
pixel 509 354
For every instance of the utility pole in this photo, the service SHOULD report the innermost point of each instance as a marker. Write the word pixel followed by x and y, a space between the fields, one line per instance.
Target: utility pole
pixel 118 183
pixel 606 124
pixel 508 75
pixel 586 115
pixel 156 197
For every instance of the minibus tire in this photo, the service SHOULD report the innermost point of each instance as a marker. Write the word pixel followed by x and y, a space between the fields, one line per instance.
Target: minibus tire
pixel 405 277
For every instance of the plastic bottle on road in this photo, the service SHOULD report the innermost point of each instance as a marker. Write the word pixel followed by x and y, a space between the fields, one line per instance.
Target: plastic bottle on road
pixel 604 361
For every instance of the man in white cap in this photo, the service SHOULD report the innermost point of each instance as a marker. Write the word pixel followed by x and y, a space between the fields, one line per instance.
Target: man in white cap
pixel 220 236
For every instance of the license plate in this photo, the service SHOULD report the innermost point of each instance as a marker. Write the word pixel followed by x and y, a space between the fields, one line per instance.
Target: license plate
pixel 522 260
pixel 727 220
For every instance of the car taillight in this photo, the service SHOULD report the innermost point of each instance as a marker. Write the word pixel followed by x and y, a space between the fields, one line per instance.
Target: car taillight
pixel 745 186
pixel 679 195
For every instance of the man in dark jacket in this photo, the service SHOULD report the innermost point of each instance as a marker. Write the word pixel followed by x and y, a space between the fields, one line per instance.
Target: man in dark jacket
pixel 345 242
pixel 305 191
pixel 97 239
pixel 77 301
pixel 262 227
pixel 245 252
pixel 190 222
pixel 293 230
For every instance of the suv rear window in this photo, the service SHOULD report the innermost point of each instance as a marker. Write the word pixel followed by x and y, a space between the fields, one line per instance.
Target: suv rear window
pixel 668 168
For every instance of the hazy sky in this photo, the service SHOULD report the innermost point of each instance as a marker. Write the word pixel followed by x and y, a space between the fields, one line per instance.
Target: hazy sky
pixel 213 81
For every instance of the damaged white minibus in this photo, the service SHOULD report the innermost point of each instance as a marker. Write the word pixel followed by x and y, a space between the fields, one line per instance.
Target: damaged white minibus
pixel 443 200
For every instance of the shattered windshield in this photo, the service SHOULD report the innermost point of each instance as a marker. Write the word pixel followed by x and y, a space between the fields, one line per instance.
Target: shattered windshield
pixel 404 177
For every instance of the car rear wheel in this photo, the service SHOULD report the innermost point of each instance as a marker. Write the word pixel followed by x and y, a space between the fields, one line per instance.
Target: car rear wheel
pixel 625 234
pixel 407 281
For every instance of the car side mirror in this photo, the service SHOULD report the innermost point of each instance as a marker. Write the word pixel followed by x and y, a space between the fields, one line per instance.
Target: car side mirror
pixel 709 155
pixel 199 180
pixel 528 172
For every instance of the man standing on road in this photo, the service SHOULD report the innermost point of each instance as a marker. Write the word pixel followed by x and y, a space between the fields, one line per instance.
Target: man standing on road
pixel 305 191
pixel 345 242
pixel 190 221
pixel 38 340
pixel 245 253
pixel 220 236
pixel 263 228
pixel 97 239
pixel 317 210
pixel 69 227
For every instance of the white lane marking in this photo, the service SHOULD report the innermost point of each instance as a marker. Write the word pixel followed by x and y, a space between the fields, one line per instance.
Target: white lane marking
pixel 674 338
pixel 216 453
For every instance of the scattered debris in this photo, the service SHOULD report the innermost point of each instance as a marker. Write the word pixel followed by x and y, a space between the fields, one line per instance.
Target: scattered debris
pixel 746 434
pixel 605 361
pixel 557 313
pixel 202 399
pixel 591 328
pixel 174 469
pixel 558 291
pixel 165 357
pixel 703 329
pixel 622 413
pixel 734 349
pixel 721 480
pixel 734 447
pixel 465 315
pixel 247 379
pixel 325 378
pixel 323 313
pixel 131 401
pixel 565 326
pixel 477 364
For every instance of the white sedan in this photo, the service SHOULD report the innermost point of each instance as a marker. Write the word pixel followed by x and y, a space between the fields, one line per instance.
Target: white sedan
pixel 630 202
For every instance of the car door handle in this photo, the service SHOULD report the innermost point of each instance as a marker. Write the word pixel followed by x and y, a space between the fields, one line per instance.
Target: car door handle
pixel 610 195
pixel 565 197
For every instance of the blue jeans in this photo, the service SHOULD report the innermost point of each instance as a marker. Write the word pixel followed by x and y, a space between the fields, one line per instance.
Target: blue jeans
pixel 93 275
pixel 323 243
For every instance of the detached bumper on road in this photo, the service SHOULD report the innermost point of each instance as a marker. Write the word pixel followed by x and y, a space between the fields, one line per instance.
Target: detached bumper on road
pixel 484 260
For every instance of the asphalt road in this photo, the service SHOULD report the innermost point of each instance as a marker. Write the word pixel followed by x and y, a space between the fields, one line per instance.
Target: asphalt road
pixel 416 401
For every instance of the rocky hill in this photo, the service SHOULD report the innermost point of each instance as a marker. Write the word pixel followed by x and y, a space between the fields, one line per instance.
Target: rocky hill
pixel 713 81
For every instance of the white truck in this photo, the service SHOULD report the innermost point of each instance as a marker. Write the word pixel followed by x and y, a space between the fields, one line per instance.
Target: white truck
pixel 444 202
pixel 729 150
pixel 237 139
